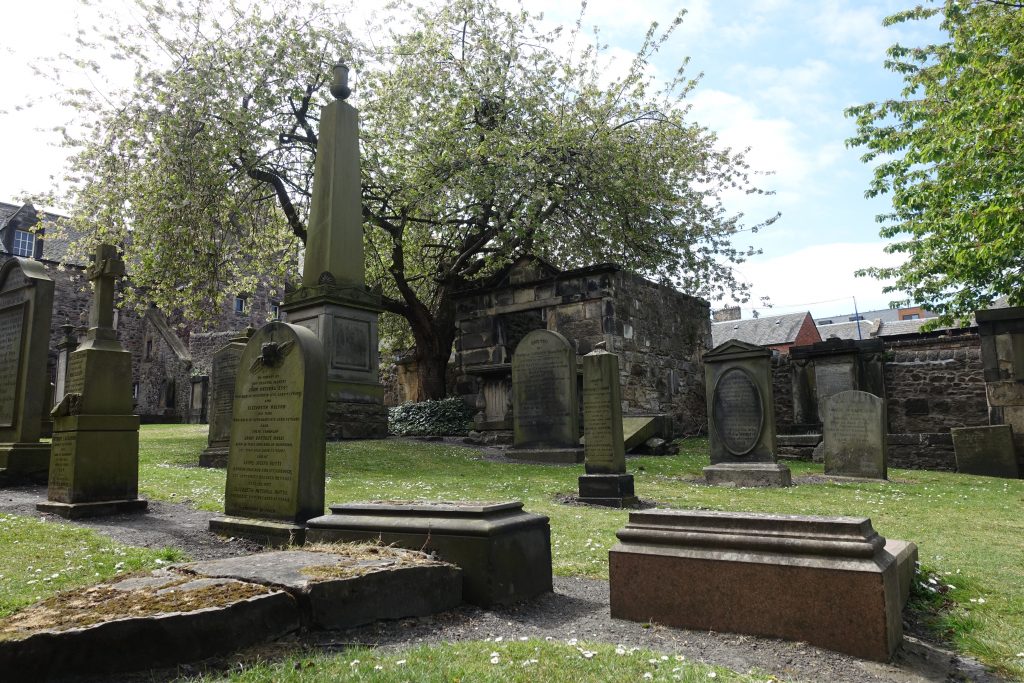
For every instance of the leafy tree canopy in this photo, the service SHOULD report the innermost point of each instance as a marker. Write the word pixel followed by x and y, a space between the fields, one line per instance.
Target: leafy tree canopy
pixel 950 152
pixel 484 137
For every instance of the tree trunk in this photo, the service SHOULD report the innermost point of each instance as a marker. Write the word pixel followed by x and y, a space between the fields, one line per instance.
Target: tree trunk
pixel 434 335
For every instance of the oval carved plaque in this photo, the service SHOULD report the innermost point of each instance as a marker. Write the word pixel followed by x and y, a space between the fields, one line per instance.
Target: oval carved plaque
pixel 737 411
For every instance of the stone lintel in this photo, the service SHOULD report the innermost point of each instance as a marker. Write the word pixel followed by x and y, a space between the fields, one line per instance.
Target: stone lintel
pixel 266 532
pixel 325 296
pixel 102 508
pixel 748 474
pixel 97 423
pixel 546 455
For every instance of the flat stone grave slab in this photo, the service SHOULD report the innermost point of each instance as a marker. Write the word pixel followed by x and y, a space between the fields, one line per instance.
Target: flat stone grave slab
pixel 830 581
pixel 504 551
pixel 357 585
pixel 193 611
pixel 140 623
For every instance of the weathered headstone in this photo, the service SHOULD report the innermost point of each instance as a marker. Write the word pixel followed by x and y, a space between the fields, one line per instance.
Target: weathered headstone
pixel 94 463
pixel 224 368
pixel 65 347
pixel 741 416
pixel 987 451
pixel 26 302
pixel 854 434
pixel 333 300
pixel 605 481
pixel 545 407
pixel 276 464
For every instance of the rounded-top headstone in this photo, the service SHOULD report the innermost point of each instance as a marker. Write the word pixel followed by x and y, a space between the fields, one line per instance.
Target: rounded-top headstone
pixel 544 401
pixel 738 411
pixel 276 462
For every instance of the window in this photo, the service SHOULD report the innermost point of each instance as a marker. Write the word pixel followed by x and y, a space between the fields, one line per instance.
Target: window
pixel 240 305
pixel 24 244
pixel 149 349
pixel 275 311
pixel 910 316
pixel 854 318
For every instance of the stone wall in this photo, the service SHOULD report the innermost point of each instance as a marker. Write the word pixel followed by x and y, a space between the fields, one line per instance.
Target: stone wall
pixel 659 334
pixel 782 389
pixel 934 384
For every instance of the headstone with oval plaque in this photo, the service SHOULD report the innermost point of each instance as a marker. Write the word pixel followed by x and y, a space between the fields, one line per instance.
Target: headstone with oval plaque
pixel 26 302
pixel 741 417
pixel 94 463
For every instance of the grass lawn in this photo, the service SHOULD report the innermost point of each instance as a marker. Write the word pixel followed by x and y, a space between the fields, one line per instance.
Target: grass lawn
pixel 969 529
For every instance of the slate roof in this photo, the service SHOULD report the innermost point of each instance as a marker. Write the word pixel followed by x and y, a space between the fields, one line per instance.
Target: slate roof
pixel 848 330
pixel 766 331
pixel 24 216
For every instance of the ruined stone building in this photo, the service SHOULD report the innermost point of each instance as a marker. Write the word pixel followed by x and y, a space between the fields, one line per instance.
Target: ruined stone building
pixel 659 334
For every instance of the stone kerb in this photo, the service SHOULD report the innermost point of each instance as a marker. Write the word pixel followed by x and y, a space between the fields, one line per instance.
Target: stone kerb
pixel 545 404
pixel 854 435
pixel 276 464
pixel 26 304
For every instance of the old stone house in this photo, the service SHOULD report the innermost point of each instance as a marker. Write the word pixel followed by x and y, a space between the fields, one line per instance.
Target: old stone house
pixel 659 334
pixel 170 358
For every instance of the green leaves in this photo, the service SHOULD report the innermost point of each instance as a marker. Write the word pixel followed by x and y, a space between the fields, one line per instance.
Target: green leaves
pixel 954 159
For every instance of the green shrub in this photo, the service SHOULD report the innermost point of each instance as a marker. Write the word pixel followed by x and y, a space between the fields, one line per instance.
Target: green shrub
pixel 447 417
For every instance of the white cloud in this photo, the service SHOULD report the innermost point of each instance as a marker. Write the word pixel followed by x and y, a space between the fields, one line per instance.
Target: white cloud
pixel 856 31
pixel 819 279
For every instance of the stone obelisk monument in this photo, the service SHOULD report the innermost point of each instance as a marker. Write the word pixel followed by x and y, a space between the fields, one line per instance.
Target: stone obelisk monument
pixel 333 301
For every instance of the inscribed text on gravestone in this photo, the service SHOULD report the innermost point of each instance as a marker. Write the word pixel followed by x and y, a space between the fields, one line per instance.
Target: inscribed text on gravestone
pixel 738 411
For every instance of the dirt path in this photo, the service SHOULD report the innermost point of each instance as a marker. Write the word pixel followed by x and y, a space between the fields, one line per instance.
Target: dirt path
pixel 577 609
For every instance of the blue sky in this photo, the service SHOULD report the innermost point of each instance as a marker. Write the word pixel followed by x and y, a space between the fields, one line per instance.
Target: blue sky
pixel 777 76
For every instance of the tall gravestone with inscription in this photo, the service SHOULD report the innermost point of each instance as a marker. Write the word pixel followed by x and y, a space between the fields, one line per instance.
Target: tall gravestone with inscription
pixel 854 433
pixel 276 461
pixel 741 417
pixel 605 481
pixel 26 303
pixel 545 405
pixel 223 371
pixel 94 462
pixel 333 301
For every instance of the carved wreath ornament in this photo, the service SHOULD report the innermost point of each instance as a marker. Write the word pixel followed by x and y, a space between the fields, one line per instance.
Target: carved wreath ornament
pixel 271 355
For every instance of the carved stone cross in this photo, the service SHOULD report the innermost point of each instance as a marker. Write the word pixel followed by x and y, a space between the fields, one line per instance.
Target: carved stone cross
pixel 103 273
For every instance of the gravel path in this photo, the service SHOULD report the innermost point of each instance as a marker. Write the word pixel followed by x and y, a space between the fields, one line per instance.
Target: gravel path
pixel 578 608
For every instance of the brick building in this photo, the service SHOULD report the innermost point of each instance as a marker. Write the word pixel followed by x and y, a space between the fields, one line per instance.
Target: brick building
pixel 776 332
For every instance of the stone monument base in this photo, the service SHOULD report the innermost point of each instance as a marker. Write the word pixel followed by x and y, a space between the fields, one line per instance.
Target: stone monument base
pixel 99 508
pixel 829 581
pixel 24 462
pixel 214 457
pixel 504 551
pixel 742 474
pixel 268 532
pixel 610 490
pixel 357 419
pixel 571 456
